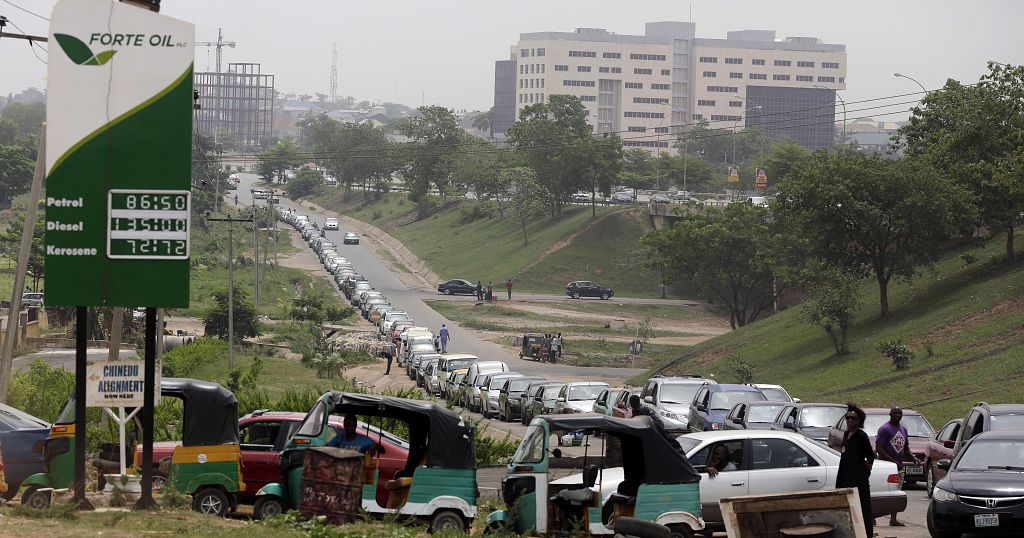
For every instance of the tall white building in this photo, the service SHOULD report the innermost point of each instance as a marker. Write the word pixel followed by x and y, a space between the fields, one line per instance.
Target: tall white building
pixel 647 87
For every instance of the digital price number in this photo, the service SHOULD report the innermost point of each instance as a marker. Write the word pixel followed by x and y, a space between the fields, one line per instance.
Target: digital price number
pixel 148 224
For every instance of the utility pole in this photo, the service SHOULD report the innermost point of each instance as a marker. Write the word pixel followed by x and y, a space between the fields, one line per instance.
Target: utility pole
pixel 231 284
pixel 256 252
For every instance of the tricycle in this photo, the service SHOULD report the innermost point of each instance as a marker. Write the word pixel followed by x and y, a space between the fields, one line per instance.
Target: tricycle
pixel 534 346
pixel 660 486
pixel 438 484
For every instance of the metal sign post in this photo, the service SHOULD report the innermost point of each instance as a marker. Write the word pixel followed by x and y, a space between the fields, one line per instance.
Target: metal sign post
pixel 118 163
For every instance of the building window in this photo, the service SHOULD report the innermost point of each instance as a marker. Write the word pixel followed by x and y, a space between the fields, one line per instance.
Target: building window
pixel 654 115
pixel 842 80
pixel 635 85
pixel 616 70
pixel 735 103
pixel 531 82
pixel 710 74
pixel 541 82
pixel 757 61
pixel 758 76
pixel 698 116
pixel 830 80
pixel 533 68
pixel 522 83
pixel 661 86
pixel 583 68
pixel 723 89
pixel 604 69
pixel 783 63
pixel 588 98
pixel 542 68
pixel 644 144
pixel 540 52
pixel 651 100
pixel 582 54
pixel 737 61
pixel 636 129
pixel 780 77
pixel 705 102
pixel 652 57
pixel 638 71
pixel 661 130
pixel 830 65
pixel 559 67
pixel 524 53
pixel 586 83
pixel 666 72
pixel 708 60
pixel 522 69
pixel 719 117
pixel 735 75
pixel 520 98
pixel 615 55
pixel 804 78
pixel 805 64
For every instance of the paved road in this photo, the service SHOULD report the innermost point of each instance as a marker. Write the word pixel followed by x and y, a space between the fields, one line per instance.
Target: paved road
pixel 431 294
pixel 65 358
pixel 463 340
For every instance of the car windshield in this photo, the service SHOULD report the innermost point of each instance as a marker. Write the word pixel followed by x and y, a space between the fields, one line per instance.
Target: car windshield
pixel 688 443
pixel 677 393
pixel 776 395
pixel 18 422
pixel 551 392
pixel 531 450
pixel 820 417
pixel 763 413
pixel 585 392
pixel 984 454
pixel 458 364
pixel 726 399
pixel 1002 423
pixel 497 382
pixel 519 384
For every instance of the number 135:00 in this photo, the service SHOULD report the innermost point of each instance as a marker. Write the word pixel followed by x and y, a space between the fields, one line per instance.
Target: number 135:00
pixel 149 225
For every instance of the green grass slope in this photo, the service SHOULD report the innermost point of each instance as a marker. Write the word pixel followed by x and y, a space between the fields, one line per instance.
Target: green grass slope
pixel 492 248
pixel 965 324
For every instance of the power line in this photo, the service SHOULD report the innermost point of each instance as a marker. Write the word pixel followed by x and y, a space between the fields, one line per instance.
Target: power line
pixel 16 6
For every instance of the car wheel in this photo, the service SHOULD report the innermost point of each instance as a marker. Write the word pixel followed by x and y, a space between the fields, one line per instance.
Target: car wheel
pixel 929 479
pixel 33 498
pixel 447 521
pixel 210 501
pixel 575 295
pixel 605 296
pixel 267 506
pixel 680 530
pixel 448 291
pixel 939 533
pixel 630 526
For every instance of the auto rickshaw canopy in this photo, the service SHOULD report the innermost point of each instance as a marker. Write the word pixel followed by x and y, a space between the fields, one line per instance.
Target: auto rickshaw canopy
pixel 648 455
pixel 210 416
pixel 446 437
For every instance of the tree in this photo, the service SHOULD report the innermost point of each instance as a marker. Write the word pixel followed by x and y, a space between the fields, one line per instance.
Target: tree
pixel 273 161
pixel 782 158
pixel 306 182
pixel 639 169
pixel 873 216
pixel 483 121
pixel 687 172
pixel 16 169
pixel 832 303
pixel 28 117
pixel 736 255
pixel 246 320
pixel 11 239
pixel 970 133
pixel 8 131
pixel 528 195
pixel 437 136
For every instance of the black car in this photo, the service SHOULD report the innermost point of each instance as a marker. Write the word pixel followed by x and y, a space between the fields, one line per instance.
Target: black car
pixel 985 417
pixel 811 419
pixel 586 288
pixel 983 492
pixel 457 286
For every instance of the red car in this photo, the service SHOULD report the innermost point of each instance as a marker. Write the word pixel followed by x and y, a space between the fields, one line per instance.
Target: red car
pixel 939 447
pixel 263 435
pixel 919 431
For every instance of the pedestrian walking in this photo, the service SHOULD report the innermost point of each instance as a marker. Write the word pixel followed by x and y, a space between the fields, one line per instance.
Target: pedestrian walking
pixel 443 336
pixel 490 291
pixel 236 199
pixel 892 444
pixel 479 291
pixel 508 286
pixel 557 342
pixel 856 461
pixel 389 355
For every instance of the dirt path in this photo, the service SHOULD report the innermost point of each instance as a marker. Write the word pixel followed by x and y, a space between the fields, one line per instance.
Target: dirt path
pixel 710 326
pixel 566 241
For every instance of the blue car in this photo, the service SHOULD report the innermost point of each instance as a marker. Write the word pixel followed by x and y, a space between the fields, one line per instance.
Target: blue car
pixel 21 440
pixel 712 403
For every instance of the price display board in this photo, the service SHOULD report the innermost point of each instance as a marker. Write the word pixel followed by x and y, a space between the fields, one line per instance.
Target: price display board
pixel 148 224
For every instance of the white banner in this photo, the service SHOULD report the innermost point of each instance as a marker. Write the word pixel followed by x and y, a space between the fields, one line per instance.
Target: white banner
pixel 117 384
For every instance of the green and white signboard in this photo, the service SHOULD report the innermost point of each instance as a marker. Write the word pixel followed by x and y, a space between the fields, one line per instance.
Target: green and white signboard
pixel 118 156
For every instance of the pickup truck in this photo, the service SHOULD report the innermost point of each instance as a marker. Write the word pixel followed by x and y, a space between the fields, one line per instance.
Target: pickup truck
pixel 263 435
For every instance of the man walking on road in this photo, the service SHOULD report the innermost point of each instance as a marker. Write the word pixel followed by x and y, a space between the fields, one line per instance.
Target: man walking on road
pixel 891 444
pixel 556 344
pixel 390 356
pixel 508 286
pixel 443 335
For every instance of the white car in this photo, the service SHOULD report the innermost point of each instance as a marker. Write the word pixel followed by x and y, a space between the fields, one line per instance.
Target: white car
pixel 578 397
pixel 331 224
pixel 580 197
pixel 768 462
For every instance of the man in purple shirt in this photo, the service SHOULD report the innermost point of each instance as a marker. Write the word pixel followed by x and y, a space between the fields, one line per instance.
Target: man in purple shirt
pixel 892 444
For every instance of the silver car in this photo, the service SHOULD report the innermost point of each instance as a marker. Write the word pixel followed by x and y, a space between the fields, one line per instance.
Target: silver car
pixel 490 390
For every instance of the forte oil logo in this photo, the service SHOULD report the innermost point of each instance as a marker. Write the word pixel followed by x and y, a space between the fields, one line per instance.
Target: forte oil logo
pixel 82 54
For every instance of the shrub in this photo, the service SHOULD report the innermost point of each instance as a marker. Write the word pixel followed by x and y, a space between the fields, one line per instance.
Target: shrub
pixel 185 360
pixel 898 352
pixel 42 390
pixel 742 370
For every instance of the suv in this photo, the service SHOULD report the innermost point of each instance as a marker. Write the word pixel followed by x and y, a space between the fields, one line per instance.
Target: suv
pixel 919 433
pixel 586 288
pixel 985 417
pixel 331 224
pixel 712 403
pixel 579 397
pixel 813 420
pixel 671 396
pixel 31 298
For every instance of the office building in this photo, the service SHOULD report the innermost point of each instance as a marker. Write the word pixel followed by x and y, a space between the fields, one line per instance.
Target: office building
pixel 236 108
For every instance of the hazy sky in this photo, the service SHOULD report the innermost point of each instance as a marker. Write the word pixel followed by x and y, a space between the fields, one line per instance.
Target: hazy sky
pixel 443 51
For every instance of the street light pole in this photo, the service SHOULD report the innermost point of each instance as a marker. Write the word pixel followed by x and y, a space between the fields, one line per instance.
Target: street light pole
pixel 901 75
pixel 841 100
pixel 734 125
pixel 760 158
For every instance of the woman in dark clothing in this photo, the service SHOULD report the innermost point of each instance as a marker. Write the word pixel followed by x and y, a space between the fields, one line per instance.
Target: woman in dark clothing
pixel 855 463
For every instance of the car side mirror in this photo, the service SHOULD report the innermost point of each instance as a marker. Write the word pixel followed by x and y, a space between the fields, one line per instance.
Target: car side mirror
pixel 649 399
pixel 556 453
pixel 796 400
pixel 789 426
pixel 561 400
pixel 944 464
pixel 949 443
pixel 702 407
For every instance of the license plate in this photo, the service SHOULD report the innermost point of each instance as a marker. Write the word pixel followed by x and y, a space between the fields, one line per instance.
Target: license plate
pixel 986 520
pixel 916 470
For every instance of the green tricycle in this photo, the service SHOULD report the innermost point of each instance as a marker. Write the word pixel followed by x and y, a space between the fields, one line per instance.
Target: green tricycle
pixel 438 484
pixel 207 465
pixel 655 482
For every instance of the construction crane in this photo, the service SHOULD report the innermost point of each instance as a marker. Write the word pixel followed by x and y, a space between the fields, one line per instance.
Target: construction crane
pixel 219 44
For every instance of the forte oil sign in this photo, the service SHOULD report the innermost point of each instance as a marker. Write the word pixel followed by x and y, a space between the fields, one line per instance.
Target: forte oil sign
pixel 118 156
